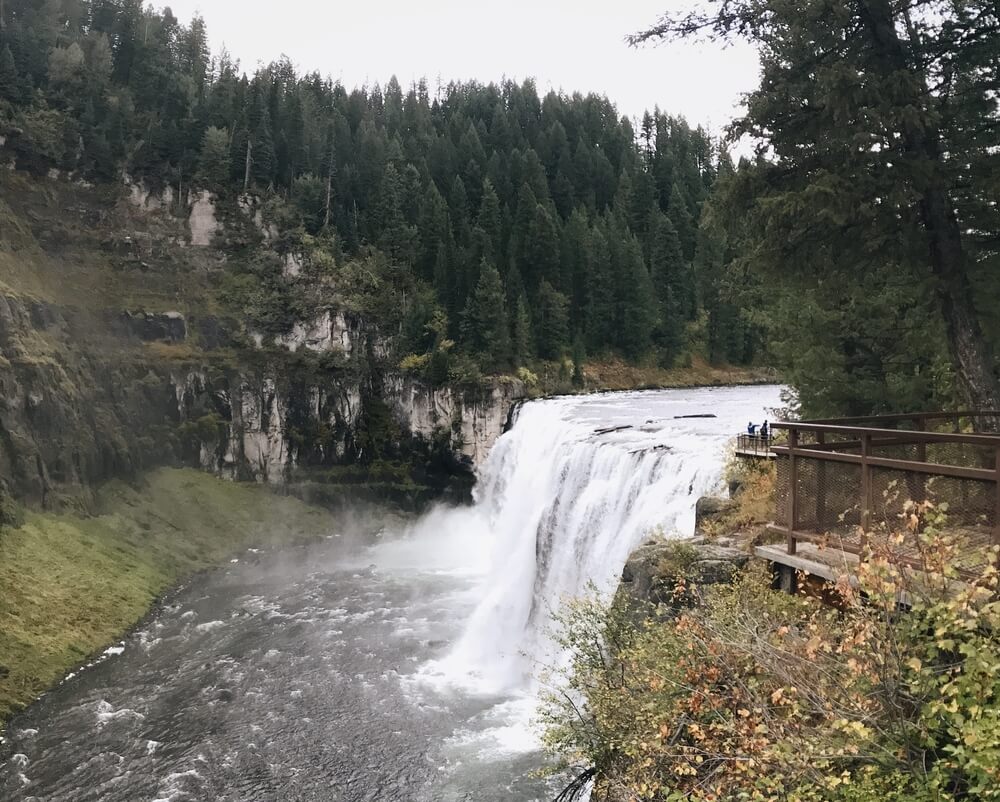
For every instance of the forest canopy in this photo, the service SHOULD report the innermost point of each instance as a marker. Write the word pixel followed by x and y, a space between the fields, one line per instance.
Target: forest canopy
pixel 523 226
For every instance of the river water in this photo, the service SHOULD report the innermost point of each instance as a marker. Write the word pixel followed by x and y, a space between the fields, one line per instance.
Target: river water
pixel 398 664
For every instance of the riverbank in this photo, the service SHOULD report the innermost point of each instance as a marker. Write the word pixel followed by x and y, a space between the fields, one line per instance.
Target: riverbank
pixel 74 583
pixel 615 374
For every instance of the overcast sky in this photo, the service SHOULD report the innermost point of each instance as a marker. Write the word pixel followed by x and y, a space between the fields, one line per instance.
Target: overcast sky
pixel 564 45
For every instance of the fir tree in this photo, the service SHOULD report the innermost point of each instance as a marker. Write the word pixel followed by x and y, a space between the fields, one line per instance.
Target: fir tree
pixel 522 333
pixel 484 324
pixel 553 322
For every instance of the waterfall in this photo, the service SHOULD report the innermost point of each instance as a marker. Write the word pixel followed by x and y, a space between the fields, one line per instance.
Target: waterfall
pixel 564 497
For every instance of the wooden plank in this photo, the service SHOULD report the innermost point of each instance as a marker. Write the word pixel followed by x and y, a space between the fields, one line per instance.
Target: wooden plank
pixel 826 456
pixel 932 468
pixel 987 440
pixel 916 416
pixel 785 532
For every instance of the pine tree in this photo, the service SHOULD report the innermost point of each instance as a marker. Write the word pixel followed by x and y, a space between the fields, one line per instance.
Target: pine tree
pixel 553 322
pixel 865 169
pixel 638 313
pixel 673 285
pixel 541 253
pixel 262 160
pixel 522 333
pixel 489 220
pixel 213 161
pixel 578 359
pixel 684 225
pixel 484 324
pixel 10 87
pixel 601 327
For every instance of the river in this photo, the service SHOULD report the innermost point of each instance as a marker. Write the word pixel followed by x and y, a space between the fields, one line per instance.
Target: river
pixel 398 664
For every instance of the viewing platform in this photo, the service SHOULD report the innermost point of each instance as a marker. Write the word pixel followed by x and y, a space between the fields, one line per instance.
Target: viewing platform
pixel 842 486
pixel 755 446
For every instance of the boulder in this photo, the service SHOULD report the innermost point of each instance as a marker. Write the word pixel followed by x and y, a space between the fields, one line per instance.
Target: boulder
pixel 156 326
pixel 710 509
pixel 656 569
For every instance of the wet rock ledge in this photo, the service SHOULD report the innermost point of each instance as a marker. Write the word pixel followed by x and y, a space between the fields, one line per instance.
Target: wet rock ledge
pixel 675 572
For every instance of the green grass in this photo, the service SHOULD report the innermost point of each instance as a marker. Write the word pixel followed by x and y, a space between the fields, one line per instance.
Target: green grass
pixel 70 585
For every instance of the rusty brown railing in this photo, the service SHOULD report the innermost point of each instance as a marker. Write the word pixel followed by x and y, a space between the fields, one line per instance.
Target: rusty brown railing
pixel 841 480
pixel 756 444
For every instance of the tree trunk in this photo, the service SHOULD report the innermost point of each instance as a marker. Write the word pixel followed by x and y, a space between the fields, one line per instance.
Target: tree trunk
pixel 246 171
pixel 970 351
pixel 329 191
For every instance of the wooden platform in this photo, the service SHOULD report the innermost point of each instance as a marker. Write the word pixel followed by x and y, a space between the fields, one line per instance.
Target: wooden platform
pixel 751 454
pixel 754 446
pixel 813 562
pixel 973 543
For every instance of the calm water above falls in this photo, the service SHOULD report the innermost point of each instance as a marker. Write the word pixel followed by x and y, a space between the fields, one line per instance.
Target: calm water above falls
pixel 390 667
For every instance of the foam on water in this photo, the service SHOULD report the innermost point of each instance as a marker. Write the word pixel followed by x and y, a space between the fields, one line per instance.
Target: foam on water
pixel 563 498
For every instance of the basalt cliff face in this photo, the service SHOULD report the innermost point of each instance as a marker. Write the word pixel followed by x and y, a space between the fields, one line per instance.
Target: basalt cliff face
pixel 112 362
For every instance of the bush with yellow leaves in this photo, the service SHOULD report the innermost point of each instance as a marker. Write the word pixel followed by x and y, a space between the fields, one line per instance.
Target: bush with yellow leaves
pixel 758 695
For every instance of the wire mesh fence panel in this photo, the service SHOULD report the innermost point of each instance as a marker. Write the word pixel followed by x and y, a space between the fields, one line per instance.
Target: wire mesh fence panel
pixel 828 495
pixel 852 484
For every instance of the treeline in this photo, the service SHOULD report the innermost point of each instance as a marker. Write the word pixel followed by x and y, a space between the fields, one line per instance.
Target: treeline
pixel 531 226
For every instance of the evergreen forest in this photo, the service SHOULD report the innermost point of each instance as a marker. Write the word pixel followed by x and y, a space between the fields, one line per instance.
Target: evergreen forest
pixel 510 227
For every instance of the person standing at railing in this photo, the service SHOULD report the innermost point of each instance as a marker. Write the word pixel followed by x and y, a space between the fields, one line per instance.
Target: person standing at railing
pixel 752 429
pixel 765 431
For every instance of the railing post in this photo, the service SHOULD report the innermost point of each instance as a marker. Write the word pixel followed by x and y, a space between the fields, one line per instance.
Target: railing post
pixel 996 502
pixel 793 501
pixel 918 491
pixel 820 486
pixel 866 489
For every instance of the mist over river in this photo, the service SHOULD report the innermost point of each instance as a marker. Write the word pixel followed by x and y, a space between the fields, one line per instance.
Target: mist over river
pixel 391 665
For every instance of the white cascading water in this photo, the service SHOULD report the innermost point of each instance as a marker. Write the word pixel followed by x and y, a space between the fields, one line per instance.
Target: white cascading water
pixel 562 500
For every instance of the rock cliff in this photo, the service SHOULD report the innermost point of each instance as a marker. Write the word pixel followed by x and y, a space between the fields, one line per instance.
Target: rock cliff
pixel 111 360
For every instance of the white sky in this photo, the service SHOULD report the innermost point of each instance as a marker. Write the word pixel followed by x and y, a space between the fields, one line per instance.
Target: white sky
pixel 564 45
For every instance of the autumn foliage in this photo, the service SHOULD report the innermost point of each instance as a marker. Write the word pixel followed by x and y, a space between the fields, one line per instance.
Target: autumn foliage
pixel 762 696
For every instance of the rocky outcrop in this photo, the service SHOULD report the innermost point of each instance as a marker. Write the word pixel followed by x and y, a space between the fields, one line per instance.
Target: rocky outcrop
pixel 89 393
pixel 675 572
pixel 709 510
pixel 71 416
pixel 202 220
pixel 469 421
pixel 257 427
pixel 148 200
pixel 167 327
pixel 330 331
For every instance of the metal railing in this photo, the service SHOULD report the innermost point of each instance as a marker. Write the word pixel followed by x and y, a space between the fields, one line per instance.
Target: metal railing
pixel 755 444
pixel 842 480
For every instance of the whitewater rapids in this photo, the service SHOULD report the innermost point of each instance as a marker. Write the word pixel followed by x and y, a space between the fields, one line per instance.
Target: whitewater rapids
pixel 386 665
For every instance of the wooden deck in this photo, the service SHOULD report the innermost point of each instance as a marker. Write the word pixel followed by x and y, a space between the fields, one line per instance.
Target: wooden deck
pixel 754 446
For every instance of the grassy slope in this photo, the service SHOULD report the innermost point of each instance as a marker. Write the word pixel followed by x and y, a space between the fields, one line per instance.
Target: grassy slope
pixel 70 585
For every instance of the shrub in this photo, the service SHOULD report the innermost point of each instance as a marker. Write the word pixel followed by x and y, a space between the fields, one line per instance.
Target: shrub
pixel 759 695
pixel 530 379
pixel 415 363
pixel 11 513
